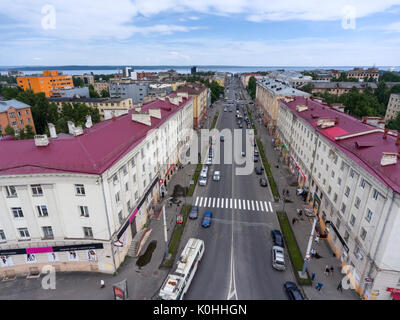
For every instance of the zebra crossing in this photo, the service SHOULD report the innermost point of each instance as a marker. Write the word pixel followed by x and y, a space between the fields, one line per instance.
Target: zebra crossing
pixel 233 203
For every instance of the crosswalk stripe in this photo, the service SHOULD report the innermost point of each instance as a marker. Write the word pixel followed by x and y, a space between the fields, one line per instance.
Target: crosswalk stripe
pixel 261 206
pixel 201 201
pixel 270 206
pixel 248 204
pixel 266 206
pixel 239 202
pixel 213 202
pixel 252 204
pixel 222 203
pixel 234 202
pixel 217 202
pixel 197 200
pixel 226 203
pixel 209 202
pixel 230 207
pixel 244 204
pixel 257 205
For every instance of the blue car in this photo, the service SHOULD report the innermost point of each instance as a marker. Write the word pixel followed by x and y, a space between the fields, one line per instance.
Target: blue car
pixel 277 238
pixel 206 222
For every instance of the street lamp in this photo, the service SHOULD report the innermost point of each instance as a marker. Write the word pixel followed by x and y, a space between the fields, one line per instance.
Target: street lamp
pixel 307 256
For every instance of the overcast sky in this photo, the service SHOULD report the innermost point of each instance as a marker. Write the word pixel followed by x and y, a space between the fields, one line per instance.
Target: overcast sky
pixel 196 32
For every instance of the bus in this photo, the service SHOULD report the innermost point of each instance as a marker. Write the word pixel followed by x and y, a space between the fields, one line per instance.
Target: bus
pixel 178 282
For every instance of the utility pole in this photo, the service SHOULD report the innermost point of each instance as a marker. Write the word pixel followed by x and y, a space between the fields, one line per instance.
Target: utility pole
pixel 307 257
pixel 165 232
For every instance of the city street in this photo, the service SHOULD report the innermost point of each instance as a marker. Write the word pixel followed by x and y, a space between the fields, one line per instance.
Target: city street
pixel 237 259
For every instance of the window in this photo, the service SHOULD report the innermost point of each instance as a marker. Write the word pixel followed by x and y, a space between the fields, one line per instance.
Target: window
pixel 87 231
pixel 352 220
pixel 339 181
pixel 128 204
pixel 329 190
pixel 42 211
pixel 17 212
pixel 2 236
pixel 79 189
pixel 115 179
pixel 326 167
pixel 136 195
pixel 363 233
pixel 144 167
pixel 323 182
pixel 343 208
pixel 362 185
pixel 124 171
pixel 357 203
pixel 37 190
pixel 117 198
pixel 84 211
pixel 333 174
pixel 120 217
pixel 352 173
pixel 337 223
pixel 133 162
pixel 368 217
pixel 24 233
pixel 347 192
pixel 142 153
pixel 375 195
pixel 11 191
pixel 134 177
pixel 48 232
pixel 126 186
pixel 346 236
pixel 335 198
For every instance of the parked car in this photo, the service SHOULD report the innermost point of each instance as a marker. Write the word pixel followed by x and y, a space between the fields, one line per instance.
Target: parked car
pixel 256 153
pixel 211 153
pixel 258 170
pixel 278 258
pixel 240 125
pixel 292 291
pixel 263 182
pixel 203 181
pixel 222 139
pixel 217 176
pixel 209 162
pixel 243 154
pixel 255 158
pixel 194 212
pixel 277 238
pixel 206 222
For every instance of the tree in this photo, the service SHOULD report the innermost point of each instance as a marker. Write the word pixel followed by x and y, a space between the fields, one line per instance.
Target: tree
pixel 252 87
pixel 93 93
pixel 29 134
pixel 10 93
pixel 9 131
pixel 307 88
pixel 394 124
pixel 78 82
pixel 105 94
pixel 22 134
pixel 390 77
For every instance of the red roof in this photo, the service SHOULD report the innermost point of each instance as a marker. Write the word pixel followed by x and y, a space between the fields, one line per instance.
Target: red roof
pixel 93 152
pixel 369 148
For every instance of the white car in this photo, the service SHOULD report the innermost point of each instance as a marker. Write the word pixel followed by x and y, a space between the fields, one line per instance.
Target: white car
pixel 217 176
pixel 278 258
pixel 209 162
pixel 203 181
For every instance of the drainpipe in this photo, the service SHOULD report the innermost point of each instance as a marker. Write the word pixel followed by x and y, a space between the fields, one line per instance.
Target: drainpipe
pixel 379 241
pixel 108 223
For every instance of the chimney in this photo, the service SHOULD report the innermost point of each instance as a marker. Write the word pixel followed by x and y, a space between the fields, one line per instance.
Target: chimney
pixel 385 133
pixel 142 118
pixel 41 140
pixel 52 129
pixel 88 123
pixel 364 119
pixel 71 127
pixel 156 113
pixel 398 140
pixel 389 158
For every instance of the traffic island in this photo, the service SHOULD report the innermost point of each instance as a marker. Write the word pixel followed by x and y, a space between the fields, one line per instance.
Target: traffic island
pixel 293 249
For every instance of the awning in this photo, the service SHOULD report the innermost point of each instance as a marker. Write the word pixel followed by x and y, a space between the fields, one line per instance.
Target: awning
pixel 284 147
pixel 396 296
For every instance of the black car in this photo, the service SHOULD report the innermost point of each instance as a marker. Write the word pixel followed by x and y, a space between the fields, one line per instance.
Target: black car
pixel 194 212
pixel 258 170
pixel 222 139
pixel 256 152
pixel 277 238
pixel 292 291
pixel 255 158
pixel 263 182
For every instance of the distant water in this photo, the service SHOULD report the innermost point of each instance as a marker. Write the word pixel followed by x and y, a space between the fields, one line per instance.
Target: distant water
pixel 77 70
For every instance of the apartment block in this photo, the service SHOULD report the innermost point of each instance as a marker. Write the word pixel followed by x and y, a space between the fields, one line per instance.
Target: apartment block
pixel 339 88
pixel 16 114
pixel 78 207
pixel 361 74
pixel 393 107
pixel 350 169
pixel 47 82
pixel 136 90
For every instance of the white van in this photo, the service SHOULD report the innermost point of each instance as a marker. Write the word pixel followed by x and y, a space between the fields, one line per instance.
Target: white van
pixel 203 176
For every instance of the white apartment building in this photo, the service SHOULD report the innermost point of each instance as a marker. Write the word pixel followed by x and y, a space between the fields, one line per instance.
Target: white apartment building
pixel 393 107
pixel 351 170
pixel 76 201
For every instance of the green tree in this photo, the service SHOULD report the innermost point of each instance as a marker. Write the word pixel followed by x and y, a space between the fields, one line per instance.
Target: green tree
pixel 78 82
pixel 394 124
pixel 22 134
pixel 307 88
pixel 10 93
pixel 9 131
pixel 252 87
pixel 93 93
pixel 29 134
pixel 105 93
pixel 390 77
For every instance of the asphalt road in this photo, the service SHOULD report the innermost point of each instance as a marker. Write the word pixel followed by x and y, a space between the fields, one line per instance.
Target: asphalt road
pixel 237 259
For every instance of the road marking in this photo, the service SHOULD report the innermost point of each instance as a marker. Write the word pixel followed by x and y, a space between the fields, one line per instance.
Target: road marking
pixel 252 204
pixel 270 206
pixel 201 201
pixel 209 202
pixel 266 206
pixel 257 205
pixel 248 204
pixel 197 200
pixel 244 204
pixel 230 207
pixel 222 203
pixel 261 206
pixel 217 202
pixel 239 202
pixel 213 203
pixel 226 203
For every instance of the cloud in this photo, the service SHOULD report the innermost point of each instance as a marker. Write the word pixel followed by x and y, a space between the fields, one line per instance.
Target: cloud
pixel 393 27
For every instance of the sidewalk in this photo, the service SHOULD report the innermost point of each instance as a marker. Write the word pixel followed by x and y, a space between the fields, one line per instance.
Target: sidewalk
pixel 302 228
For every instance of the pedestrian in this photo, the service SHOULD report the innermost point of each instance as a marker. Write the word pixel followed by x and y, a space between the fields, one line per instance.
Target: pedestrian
pixel 102 285
pixel 316 239
pixel 284 190
pixel 332 269
pixel 340 287
pixel 326 270
pixel 294 221
pixel 313 252
pixel 313 276
pixel 319 286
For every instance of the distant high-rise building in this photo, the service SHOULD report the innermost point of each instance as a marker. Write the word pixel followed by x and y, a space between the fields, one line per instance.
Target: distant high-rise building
pixel 193 70
pixel 127 72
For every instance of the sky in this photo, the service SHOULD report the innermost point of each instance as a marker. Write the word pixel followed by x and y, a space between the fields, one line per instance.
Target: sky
pixel 200 32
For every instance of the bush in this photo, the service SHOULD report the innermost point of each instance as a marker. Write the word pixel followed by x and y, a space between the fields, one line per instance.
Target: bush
pixel 195 178
pixel 292 247
pixel 268 171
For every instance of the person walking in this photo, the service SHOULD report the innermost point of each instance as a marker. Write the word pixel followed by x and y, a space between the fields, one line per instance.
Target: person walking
pixel 294 221
pixel 326 270
pixel 319 286
pixel 312 276
pixel 340 287
pixel 332 269
pixel 316 239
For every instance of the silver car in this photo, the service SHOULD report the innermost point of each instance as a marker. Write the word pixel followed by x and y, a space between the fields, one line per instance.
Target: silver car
pixel 217 176
pixel 278 258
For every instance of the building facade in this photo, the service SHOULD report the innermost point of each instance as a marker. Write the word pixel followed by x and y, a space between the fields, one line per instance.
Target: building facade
pixel 339 88
pixel 268 92
pixel 393 107
pixel 361 74
pixel 47 82
pixel 135 90
pixel 87 79
pixel 350 171
pixel 16 114
pixel 100 86
pixel 79 207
